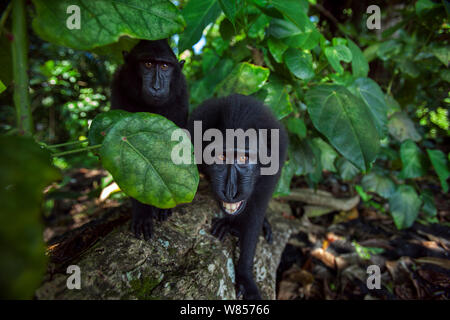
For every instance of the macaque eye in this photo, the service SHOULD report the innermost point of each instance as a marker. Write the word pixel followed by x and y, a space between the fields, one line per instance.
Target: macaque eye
pixel 242 159
pixel 148 64
pixel 164 66
pixel 221 157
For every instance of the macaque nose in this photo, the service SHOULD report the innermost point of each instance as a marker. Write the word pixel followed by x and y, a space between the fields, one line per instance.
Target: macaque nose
pixel 156 85
pixel 156 81
pixel 231 185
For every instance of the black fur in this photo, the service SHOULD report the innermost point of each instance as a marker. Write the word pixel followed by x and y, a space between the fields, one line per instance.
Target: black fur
pixel 136 88
pixel 126 90
pixel 255 190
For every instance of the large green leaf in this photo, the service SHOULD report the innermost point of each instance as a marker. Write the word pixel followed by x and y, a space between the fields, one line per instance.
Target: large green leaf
pixel 114 51
pixel 209 61
pixel 294 10
pixel 413 160
pixel 102 123
pixel 105 21
pixel 25 169
pixel 443 54
pixel 315 177
pixel 379 184
pixel 302 155
pixel 197 14
pixel 345 121
pixel 346 169
pixel 387 49
pixel 402 128
pixel 440 165
pixel 258 27
pixel 297 126
pixel 283 185
pixel 392 105
pixel 327 154
pixel 369 91
pixel 277 48
pixel 230 8
pixel 299 63
pixel 404 206
pixel 203 89
pixel 293 36
pixel 137 152
pixel 409 67
pixel 276 97
pixel 336 54
pixel 360 66
pixel 246 78
pixel 428 208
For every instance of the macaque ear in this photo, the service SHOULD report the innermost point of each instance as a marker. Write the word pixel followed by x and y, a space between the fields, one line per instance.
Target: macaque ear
pixel 125 55
pixel 181 63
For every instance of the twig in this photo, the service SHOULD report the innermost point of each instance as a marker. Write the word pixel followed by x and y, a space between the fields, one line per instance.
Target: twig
pixel 76 151
pixel 322 198
pixel 66 144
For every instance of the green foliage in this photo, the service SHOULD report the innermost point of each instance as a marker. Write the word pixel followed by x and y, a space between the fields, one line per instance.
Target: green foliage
pixel 197 14
pixel 413 160
pixel 365 252
pixel 369 91
pixel 378 183
pixel 336 54
pixel 339 120
pixel 404 206
pixel 297 126
pixel 25 169
pixel 2 86
pixel 277 49
pixel 402 128
pixel 302 155
pixel 245 79
pixel 294 10
pixel 299 63
pixel 360 66
pixel 339 115
pixel 275 94
pixel 429 208
pixel 102 123
pixel 327 154
pixel 103 22
pixel 137 151
pixel 383 127
pixel 283 186
pixel 347 171
pixel 293 36
pixel 440 164
pixel 230 8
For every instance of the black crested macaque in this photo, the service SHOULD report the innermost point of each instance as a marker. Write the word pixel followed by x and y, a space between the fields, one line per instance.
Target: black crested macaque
pixel 151 80
pixel 241 189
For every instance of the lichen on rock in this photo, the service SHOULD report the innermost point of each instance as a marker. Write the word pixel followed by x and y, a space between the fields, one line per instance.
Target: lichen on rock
pixel 182 261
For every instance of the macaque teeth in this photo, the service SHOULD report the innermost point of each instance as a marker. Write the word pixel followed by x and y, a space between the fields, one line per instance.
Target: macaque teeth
pixel 231 207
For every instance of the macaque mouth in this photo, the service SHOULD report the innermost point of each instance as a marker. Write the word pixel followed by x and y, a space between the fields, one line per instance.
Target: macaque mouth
pixel 233 208
pixel 158 96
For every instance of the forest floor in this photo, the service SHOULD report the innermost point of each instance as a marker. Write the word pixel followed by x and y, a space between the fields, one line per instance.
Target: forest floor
pixel 327 259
